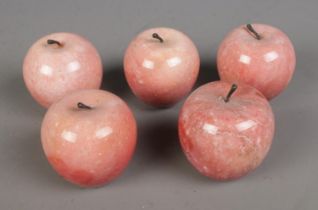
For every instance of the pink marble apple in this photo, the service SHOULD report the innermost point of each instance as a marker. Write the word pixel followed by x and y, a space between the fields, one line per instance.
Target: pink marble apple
pixel 259 55
pixel 161 66
pixel 226 130
pixel 89 137
pixel 60 63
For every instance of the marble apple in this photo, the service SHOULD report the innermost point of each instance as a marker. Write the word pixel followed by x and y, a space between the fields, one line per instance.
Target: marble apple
pixel 60 63
pixel 89 137
pixel 161 66
pixel 226 130
pixel 259 55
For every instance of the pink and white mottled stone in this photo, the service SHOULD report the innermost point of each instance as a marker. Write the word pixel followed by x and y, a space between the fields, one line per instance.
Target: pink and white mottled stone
pixel 89 147
pixel 267 64
pixel 51 71
pixel 226 140
pixel 158 73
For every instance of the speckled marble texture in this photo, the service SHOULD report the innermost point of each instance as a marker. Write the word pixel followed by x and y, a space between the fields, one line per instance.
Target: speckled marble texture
pixel 89 147
pixel 226 140
pixel 161 73
pixel 267 64
pixel 51 71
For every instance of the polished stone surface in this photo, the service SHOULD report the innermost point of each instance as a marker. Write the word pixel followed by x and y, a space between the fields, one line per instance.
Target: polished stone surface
pixel 159 176
pixel 226 139
pixel 265 60
pixel 90 143
pixel 161 71
pixel 53 70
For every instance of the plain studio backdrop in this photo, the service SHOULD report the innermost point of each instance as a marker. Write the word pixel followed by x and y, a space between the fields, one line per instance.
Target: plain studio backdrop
pixel 159 176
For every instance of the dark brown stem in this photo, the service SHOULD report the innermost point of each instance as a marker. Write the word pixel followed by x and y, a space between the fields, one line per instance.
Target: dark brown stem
pixel 80 105
pixel 156 36
pixel 230 93
pixel 51 41
pixel 252 30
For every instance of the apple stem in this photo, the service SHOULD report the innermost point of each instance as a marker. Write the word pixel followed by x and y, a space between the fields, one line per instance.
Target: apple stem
pixel 252 30
pixel 51 41
pixel 230 93
pixel 80 105
pixel 156 36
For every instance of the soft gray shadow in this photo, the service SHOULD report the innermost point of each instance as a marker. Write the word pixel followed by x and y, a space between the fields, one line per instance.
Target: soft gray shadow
pixel 114 81
pixel 159 145
pixel 208 73
pixel 160 140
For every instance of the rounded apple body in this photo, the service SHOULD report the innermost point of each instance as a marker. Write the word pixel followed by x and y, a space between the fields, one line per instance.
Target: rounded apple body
pixel 226 140
pixel 59 64
pixel 89 137
pixel 161 66
pixel 266 62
